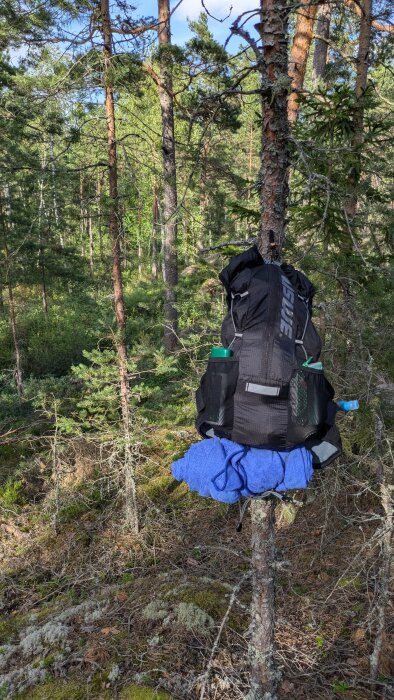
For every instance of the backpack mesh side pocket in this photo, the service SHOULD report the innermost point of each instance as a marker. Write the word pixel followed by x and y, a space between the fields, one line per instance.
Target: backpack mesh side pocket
pixel 215 396
pixel 309 394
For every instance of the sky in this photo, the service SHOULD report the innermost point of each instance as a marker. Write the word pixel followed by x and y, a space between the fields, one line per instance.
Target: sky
pixel 221 9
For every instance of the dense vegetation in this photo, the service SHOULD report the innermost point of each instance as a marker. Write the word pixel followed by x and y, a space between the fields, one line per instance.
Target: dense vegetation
pixel 76 581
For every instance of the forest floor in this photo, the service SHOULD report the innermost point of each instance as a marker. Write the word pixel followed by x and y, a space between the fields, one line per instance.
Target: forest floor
pixel 91 612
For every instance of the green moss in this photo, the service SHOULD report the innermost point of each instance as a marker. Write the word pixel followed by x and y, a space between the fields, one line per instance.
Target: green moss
pixel 351 582
pixel 57 690
pixel 157 487
pixel 72 511
pixel 139 692
pixel 8 628
pixel 213 602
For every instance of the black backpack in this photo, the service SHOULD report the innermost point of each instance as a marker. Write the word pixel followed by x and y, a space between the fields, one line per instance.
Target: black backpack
pixel 266 394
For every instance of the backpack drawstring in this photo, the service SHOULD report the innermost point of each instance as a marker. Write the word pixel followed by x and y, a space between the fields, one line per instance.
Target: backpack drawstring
pixel 236 333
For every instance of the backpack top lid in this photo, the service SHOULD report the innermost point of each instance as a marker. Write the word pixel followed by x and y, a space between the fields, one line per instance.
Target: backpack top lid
pixel 236 276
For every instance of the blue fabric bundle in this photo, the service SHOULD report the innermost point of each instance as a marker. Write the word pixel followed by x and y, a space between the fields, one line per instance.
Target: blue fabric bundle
pixel 226 470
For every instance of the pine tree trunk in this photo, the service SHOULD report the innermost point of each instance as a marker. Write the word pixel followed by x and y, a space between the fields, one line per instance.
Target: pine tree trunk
pixel 382 596
pixel 99 227
pixel 303 35
pixel 264 674
pixel 170 204
pixel 154 237
pixel 274 175
pixel 204 198
pixel 54 198
pixel 82 219
pixel 115 233
pixel 15 338
pixel 139 238
pixel 358 119
pixel 1 298
pixel 4 214
pixel 321 43
pixel 41 249
pixel 91 243
pixel 274 171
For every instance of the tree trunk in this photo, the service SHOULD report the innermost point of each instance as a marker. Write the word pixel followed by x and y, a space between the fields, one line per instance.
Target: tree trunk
pixel 358 119
pixel 264 674
pixel 1 298
pixel 41 249
pixel 154 238
pixel 54 198
pixel 4 211
pixel 275 84
pixel 18 354
pixel 274 176
pixel 303 35
pixel 139 240
pixel 382 597
pixel 321 43
pixel 170 204
pixel 204 198
pixel 91 243
pixel 99 228
pixel 114 230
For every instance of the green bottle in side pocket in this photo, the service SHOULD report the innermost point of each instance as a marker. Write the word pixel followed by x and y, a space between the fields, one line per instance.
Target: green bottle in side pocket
pixel 221 352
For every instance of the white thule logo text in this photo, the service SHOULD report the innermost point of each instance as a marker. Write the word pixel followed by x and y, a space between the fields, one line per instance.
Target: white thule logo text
pixel 287 309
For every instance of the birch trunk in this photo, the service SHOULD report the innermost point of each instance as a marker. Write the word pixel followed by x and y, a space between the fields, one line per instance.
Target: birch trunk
pixel 275 85
pixel 170 204
pixel 115 234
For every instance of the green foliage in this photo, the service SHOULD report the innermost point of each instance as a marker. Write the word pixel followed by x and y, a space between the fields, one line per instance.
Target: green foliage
pixel 340 686
pixel 11 493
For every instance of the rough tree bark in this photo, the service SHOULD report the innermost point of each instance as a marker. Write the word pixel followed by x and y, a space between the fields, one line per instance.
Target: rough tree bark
pixel 362 62
pixel 42 230
pixel 4 214
pixel 155 234
pixel 321 43
pixel 99 227
pixel 275 86
pixel 303 35
pixel 382 599
pixel 82 214
pixel 170 203
pixel 115 233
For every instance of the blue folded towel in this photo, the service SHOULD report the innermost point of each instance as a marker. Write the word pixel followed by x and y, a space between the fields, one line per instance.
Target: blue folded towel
pixel 226 470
